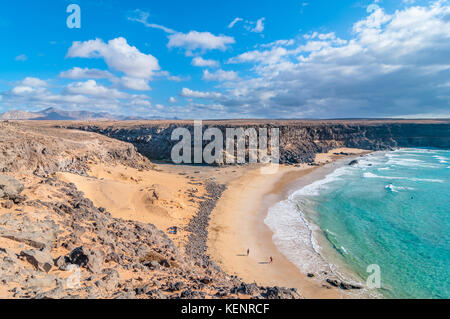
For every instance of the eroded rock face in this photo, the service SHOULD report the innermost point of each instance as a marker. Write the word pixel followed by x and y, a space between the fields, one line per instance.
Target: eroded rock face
pixel 300 141
pixel 43 151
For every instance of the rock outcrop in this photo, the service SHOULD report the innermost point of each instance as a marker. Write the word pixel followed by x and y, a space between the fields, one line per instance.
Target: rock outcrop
pixel 60 245
pixel 300 141
pixel 43 151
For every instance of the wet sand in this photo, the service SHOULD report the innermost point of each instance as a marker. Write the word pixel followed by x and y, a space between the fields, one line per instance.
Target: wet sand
pixel 237 224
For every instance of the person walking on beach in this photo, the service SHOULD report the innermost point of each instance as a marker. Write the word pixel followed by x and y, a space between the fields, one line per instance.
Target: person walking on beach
pixel 271 260
pixel 248 252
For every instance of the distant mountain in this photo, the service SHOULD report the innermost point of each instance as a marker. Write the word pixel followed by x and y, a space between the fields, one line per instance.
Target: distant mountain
pixel 54 114
pixel 18 115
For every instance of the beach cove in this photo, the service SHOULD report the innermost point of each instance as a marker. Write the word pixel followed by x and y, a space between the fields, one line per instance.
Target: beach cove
pixel 237 224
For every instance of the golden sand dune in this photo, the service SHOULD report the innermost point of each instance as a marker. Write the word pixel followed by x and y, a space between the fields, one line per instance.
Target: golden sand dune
pixel 155 197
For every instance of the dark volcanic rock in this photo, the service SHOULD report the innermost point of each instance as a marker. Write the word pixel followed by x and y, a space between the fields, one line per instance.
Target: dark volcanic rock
pixel 300 140
pixel 198 226
pixel 79 256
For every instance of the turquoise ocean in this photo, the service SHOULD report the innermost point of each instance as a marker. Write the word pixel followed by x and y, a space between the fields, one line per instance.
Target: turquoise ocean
pixel 392 209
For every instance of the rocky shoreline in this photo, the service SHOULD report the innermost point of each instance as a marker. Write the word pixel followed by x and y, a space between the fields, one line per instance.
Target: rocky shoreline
pixel 60 245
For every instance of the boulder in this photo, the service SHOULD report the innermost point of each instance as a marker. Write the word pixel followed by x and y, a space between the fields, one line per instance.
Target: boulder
pixel 8 204
pixel 79 256
pixel 10 188
pixel 110 281
pixel 92 260
pixel 40 259
pixel 347 286
pixel 95 263
pixel 62 262
pixel 333 282
pixel 352 163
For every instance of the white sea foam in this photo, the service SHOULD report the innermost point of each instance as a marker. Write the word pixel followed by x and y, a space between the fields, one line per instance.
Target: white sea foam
pixel 397 189
pixel 408 162
pixel 293 235
pixel 441 159
pixel 371 175
pixel 315 188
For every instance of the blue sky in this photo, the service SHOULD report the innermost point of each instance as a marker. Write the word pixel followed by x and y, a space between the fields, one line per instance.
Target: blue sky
pixel 229 59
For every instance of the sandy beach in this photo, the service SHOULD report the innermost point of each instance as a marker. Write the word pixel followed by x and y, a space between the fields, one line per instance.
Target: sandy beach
pixel 237 224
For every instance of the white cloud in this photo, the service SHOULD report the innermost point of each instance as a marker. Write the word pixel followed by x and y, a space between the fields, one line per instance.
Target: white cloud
pixel 91 87
pixel 220 75
pixel 118 55
pixel 34 82
pixel 76 96
pixel 199 40
pixel 265 57
pixel 251 26
pixel 278 43
pixel 172 99
pixel 135 83
pixel 199 61
pixel 86 73
pixel 232 23
pixel 259 27
pixel 23 90
pixel 21 58
pixel 393 64
pixel 142 17
pixel 187 93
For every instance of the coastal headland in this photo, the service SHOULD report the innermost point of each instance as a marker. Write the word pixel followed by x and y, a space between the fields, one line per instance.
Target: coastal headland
pixel 103 198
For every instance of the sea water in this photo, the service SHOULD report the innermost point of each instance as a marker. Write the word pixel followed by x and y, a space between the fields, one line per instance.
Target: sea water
pixel 392 209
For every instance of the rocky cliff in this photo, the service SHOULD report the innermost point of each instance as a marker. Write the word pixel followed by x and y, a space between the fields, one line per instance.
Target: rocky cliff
pixel 299 140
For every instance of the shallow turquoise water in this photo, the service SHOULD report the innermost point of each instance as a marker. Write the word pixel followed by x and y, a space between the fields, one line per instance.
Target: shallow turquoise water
pixel 393 210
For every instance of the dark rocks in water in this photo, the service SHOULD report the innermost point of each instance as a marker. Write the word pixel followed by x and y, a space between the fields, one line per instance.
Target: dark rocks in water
pixel 333 282
pixel 347 286
pixel 310 275
pixel 342 285
pixel 354 162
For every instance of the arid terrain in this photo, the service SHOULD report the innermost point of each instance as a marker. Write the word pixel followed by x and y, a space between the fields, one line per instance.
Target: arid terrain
pixel 86 208
pixel 48 225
